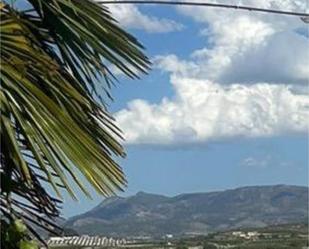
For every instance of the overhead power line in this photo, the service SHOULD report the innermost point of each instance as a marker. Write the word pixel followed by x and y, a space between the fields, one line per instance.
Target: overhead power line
pixel 304 16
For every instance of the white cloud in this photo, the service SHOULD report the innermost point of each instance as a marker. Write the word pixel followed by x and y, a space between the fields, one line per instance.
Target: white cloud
pixel 256 162
pixel 204 111
pixel 264 161
pixel 248 47
pixel 131 17
pixel 239 84
pixel 209 14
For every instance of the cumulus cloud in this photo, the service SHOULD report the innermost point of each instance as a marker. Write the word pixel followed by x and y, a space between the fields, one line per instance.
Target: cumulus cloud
pixel 248 81
pixel 205 111
pixel 250 47
pixel 131 17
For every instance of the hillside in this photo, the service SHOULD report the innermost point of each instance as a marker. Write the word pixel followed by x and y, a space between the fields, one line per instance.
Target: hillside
pixel 147 214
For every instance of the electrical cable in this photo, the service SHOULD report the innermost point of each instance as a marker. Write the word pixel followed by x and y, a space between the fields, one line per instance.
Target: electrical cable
pixel 304 16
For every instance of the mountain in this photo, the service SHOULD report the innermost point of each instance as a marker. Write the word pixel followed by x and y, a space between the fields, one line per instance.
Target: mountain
pixel 155 215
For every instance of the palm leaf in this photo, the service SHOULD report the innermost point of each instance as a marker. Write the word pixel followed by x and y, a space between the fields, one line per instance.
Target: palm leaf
pixel 53 129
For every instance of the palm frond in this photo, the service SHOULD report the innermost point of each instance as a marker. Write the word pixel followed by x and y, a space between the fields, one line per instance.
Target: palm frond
pixel 88 38
pixel 52 128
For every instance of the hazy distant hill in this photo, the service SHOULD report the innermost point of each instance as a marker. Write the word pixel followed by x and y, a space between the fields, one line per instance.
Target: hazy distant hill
pixel 149 214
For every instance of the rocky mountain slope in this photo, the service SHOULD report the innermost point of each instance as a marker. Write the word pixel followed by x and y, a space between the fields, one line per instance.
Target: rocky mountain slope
pixel 147 214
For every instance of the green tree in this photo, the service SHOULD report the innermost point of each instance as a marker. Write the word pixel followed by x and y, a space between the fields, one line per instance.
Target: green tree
pixel 55 127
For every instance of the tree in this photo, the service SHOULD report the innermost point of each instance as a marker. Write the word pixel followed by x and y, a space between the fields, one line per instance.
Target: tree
pixel 55 126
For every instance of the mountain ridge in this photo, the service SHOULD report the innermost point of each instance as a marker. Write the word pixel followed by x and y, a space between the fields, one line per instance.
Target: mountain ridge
pixel 146 214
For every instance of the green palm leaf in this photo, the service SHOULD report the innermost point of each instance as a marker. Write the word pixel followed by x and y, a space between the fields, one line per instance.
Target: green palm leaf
pixel 52 128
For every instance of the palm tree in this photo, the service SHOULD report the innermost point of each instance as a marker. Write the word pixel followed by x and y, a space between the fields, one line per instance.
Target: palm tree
pixel 55 128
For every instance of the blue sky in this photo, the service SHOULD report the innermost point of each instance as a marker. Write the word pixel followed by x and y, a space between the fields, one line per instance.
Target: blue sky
pixel 226 104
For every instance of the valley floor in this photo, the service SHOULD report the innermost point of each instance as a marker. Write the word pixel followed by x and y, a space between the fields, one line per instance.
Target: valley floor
pixel 276 237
